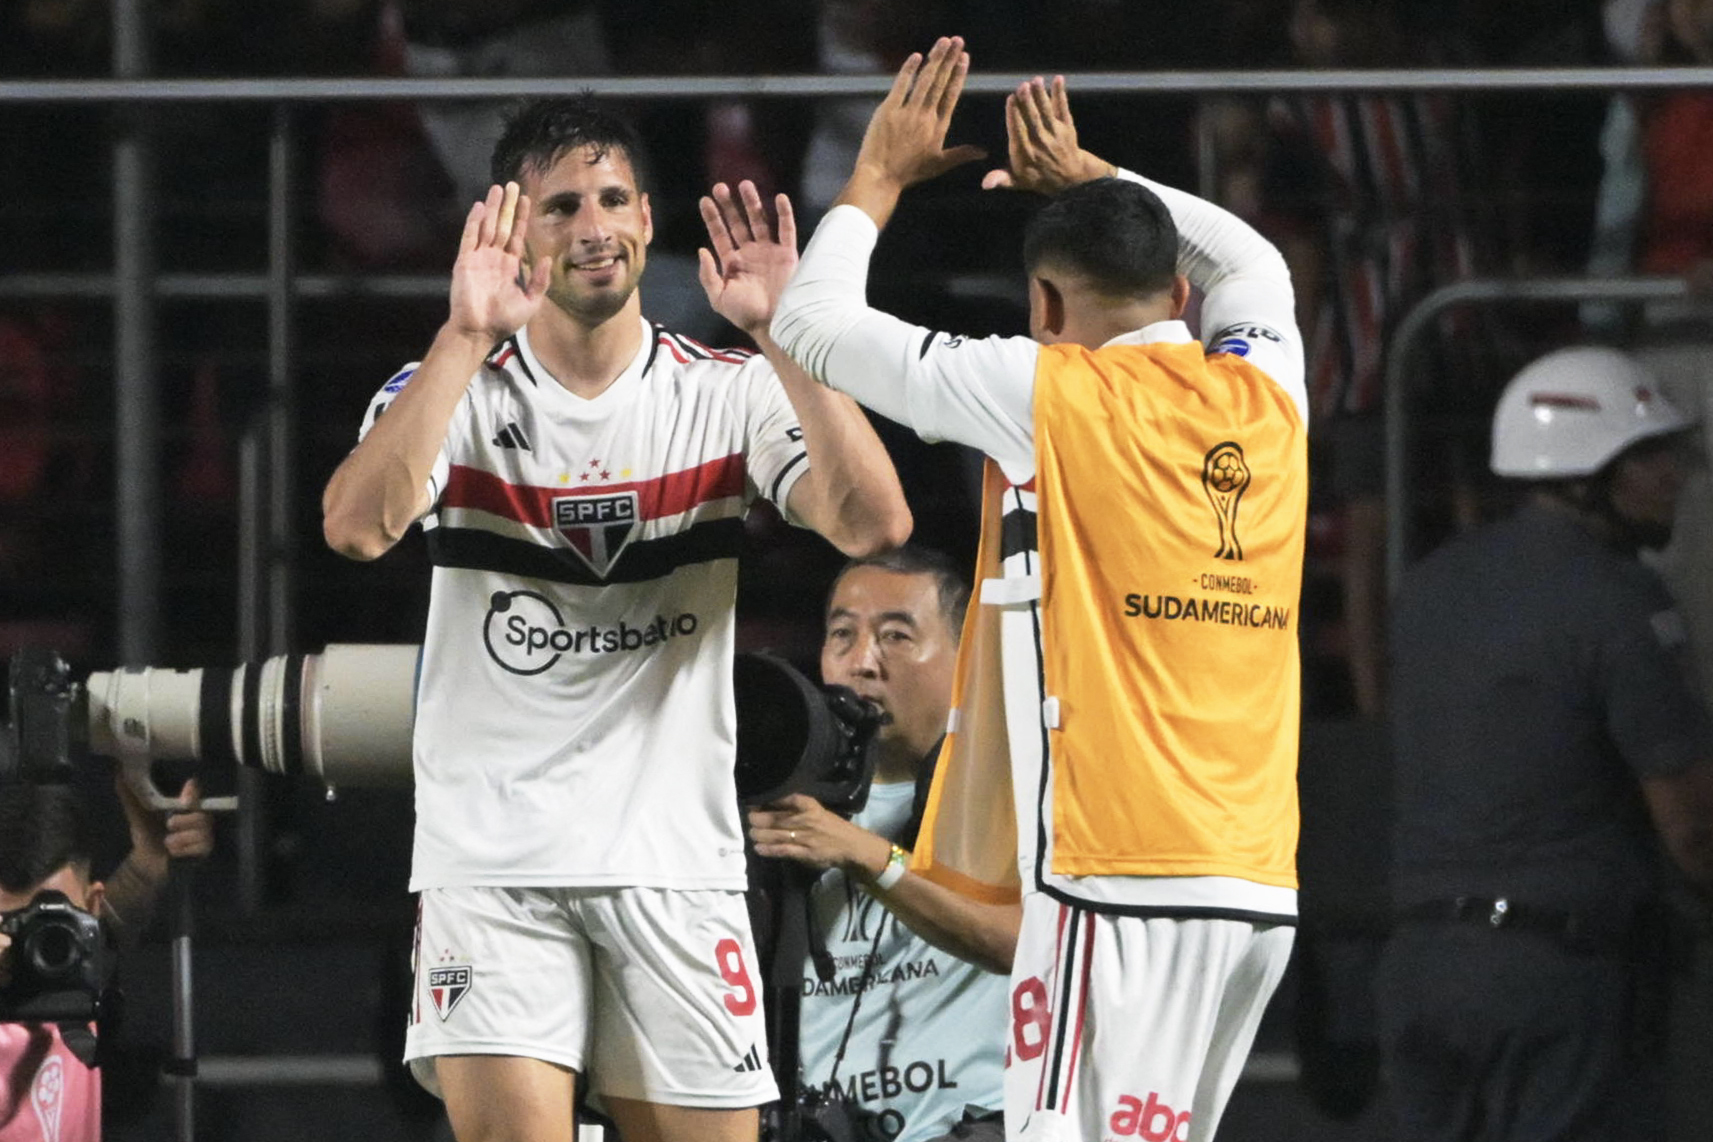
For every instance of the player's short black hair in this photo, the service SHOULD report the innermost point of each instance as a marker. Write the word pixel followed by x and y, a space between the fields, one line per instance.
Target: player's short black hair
pixel 1115 233
pixel 539 131
pixel 43 828
pixel 951 584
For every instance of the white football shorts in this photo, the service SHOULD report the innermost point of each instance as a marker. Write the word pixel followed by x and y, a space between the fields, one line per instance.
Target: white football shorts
pixel 650 993
pixel 1124 1027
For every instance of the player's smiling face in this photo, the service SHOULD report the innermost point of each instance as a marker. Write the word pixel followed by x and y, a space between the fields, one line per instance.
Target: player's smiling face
pixel 593 220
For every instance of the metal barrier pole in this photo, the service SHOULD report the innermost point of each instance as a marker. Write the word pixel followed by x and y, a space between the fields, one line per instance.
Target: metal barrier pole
pixel 251 841
pixel 229 286
pixel 282 402
pixel 136 400
pixel 1406 341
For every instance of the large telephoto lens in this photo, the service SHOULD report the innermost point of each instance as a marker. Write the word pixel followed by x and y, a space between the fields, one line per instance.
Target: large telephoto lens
pixel 343 716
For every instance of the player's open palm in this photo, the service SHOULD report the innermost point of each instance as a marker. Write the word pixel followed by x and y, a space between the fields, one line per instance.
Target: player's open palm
pixel 906 137
pixel 495 290
pixel 749 264
pixel 1043 150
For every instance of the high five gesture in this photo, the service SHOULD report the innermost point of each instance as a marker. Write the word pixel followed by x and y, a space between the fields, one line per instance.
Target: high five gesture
pixel 1042 139
pixel 491 296
pixel 747 268
pixel 906 139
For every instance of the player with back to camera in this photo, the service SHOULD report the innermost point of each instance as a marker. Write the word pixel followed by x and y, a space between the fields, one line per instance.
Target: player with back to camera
pixel 583 476
pixel 1134 652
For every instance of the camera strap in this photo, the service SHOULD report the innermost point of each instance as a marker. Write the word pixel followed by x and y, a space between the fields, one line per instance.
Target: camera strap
pixel 80 1041
pixel 856 1005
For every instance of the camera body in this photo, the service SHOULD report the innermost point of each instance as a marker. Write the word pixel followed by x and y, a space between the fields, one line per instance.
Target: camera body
pixel 797 737
pixel 58 962
pixel 831 1117
pixel 45 737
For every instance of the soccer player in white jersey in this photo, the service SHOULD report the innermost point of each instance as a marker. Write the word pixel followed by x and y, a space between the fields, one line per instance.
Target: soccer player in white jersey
pixel 582 476
pixel 1153 778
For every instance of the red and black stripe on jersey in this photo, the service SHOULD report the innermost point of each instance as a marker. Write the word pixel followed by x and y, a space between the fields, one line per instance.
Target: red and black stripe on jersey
pixel 668 495
pixel 686 349
pixel 476 548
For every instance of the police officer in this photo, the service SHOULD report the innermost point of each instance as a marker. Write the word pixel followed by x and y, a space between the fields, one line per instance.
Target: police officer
pixel 1547 742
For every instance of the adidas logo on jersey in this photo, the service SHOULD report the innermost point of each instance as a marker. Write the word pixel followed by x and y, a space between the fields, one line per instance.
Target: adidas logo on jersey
pixel 511 436
pixel 750 1062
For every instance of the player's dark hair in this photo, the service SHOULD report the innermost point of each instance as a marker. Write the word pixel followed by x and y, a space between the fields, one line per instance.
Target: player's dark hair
pixel 1115 233
pixel 43 828
pixel 539 131
pixel 951 584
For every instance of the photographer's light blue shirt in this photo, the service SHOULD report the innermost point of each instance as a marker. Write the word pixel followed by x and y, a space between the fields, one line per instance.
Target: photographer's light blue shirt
pixel 930 1033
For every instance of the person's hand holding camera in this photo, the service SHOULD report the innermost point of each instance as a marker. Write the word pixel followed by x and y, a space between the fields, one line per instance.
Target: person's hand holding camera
pixel 156 838
pixel 798 827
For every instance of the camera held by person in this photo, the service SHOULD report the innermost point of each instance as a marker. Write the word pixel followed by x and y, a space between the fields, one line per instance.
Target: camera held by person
pixel 59 924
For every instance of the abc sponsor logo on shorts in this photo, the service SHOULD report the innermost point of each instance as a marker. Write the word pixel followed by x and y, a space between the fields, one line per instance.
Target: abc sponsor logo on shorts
pixel 525 634
pixel 1149 1119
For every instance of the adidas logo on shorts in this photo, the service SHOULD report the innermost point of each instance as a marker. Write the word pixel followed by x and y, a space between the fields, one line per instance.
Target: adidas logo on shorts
pixel 750 1062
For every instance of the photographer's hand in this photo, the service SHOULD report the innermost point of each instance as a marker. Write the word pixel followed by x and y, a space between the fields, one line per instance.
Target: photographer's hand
pixel 155 838
pixel 800 828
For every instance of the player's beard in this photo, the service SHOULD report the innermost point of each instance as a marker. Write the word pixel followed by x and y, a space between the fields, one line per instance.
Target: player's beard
pixel 593 306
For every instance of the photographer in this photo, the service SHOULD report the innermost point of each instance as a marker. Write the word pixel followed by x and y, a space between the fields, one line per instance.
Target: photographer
pixel 50 1088
pixel 906 1036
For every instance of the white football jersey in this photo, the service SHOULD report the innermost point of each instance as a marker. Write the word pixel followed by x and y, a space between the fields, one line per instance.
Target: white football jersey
pixel 575 721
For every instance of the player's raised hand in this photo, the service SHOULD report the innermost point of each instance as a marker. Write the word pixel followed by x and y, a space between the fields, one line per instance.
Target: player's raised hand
pixel 495 289
pixel 748 266
pixel 1044 153
pixel 905 142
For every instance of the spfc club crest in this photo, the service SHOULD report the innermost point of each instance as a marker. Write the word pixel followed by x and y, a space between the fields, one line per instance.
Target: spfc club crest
pixel 446 986
pixel 597 526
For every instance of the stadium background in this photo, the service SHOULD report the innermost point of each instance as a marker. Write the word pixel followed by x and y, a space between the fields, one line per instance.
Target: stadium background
pixel 201 291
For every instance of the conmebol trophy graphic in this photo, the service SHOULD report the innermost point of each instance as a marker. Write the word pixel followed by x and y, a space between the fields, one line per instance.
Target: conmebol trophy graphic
pixel 1224 475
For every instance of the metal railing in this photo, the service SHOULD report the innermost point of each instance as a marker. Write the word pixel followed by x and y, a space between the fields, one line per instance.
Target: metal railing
pixel 1233 82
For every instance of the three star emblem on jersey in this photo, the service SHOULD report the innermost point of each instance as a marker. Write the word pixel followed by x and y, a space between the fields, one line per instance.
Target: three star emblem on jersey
pixel 1224 476
pixel 597 526
pixel 446 986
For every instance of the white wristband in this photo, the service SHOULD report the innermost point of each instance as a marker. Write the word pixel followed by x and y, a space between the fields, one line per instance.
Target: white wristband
pixel 894 870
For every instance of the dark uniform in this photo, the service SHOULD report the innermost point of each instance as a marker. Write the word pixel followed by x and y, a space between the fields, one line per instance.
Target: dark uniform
pixel 1538 677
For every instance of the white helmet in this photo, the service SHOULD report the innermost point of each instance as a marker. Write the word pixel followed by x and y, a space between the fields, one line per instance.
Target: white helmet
pixel 1570 412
